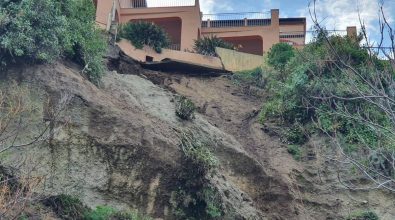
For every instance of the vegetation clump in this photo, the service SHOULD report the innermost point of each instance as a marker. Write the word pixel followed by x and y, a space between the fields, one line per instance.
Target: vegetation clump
pixel 145 33
pixel 279 56
pixel 327 88
pixel 70 208
pixel 193 196
pixel 66 207
pixel 365 215
pixel 206 45
pixel 41 31
pixel 253 77
pixel 185 108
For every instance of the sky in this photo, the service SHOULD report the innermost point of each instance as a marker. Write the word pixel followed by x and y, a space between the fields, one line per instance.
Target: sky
pixel 334 14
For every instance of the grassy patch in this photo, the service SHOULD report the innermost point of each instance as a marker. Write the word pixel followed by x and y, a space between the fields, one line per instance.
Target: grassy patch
pixel 363 215
pixel 185 108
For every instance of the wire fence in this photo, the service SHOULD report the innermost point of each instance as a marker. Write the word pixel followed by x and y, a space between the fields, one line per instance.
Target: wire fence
pixel 236 19
pixel 155 3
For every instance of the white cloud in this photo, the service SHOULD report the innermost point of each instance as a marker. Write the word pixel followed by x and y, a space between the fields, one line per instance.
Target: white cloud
pixel 338 14
pixel 215 6
pixel 207 6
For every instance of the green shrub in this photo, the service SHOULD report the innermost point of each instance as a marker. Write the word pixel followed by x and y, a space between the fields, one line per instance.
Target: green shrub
pixel 303 91
pixel 66 207
pixel 128 216
pixel 192 196
pixel 295 135
pixel 100 213
pixel 295 151
pixel 279 55
pixel 198 152
pixel 185 108
pixel 254 77
pixel 206 45
pixel 213 206
pixel 145 33
pixel 32 31
pixel 39 31
pixel 85 43
pixel 365 215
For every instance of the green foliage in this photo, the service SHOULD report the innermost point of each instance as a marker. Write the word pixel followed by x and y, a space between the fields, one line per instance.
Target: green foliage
pixel 213 206
pixel 185 108
pixel 71 208
pixel 305 87
pixel 145 33
pixel 39 31
pixel 109 213
pixel 31 31
pixel 295 151
pixel 66 207
pixel 198 153
pixel 100 213
pixel 128 216
pixel 253 77
pixel 295 135
pixel 84 41
pixel 279 55
pixel 206 45
pixel 364 215
pixel 193 198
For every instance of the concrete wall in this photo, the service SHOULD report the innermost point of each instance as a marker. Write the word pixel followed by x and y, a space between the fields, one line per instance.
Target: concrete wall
pixel 237 61
pixel 103 10
pixel 185 57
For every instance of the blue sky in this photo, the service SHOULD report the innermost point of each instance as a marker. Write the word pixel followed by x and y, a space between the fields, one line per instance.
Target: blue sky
pixel 334 14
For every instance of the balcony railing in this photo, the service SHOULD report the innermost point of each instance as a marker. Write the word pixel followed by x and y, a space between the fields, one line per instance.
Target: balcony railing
pixel 291 35
pixel 155 3
pixel 174 47
pixel 236 19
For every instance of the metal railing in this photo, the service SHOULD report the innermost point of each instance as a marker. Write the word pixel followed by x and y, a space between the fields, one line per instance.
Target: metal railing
pixel 236 19
pixel 155 3
pixel 308 35
pixel 292 35
pixel 174 47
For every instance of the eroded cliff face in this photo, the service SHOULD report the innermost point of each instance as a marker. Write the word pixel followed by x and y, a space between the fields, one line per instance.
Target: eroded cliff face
pixel 120 147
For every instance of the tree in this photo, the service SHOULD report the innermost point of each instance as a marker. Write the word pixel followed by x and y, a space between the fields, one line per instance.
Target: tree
pixel 279 55
pixel 369 104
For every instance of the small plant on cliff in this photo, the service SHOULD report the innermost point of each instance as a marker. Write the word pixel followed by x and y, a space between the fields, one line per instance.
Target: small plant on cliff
pixel 145 33
pixel 198 152
pixel 66 207
pixel 365 215
pixel 206 45
pixel 185 108
pixel 193 197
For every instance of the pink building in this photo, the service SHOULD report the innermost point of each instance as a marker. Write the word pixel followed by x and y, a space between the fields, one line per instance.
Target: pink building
pixel 253 33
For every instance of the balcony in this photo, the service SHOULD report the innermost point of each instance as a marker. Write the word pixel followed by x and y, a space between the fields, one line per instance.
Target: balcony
pixel 224 20
pixel 155 3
